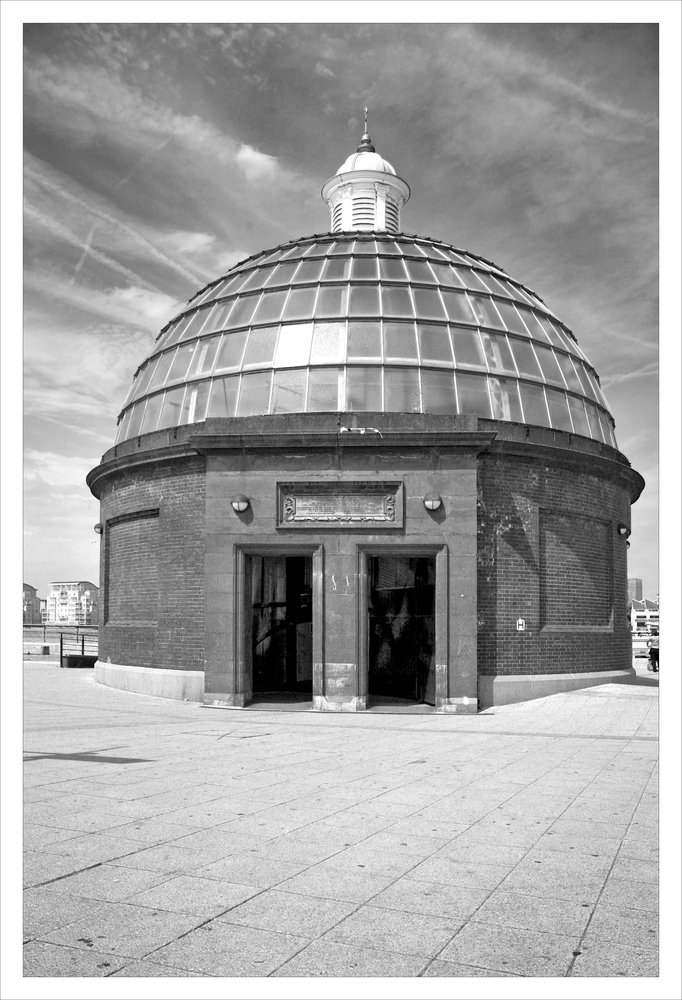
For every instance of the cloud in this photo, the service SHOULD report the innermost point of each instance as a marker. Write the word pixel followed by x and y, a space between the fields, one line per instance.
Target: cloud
pixel 226 259
pixel 53 469
pixel 646 371
pixel 64 233
pixel 90 102
pixel 45 185
pixel 323 70
pixel 141 308
pixel 190 243
pixel 256 166
pixel 70 372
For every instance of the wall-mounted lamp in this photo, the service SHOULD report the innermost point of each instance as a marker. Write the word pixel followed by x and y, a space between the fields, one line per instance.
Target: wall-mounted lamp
pixel 627 545
pixel 624 530
pixel 240 503
pixel 99 528
pixel 432 501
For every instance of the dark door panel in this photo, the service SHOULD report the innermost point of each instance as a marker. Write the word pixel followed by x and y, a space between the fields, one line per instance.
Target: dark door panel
pixel 401 627
pixel 281 609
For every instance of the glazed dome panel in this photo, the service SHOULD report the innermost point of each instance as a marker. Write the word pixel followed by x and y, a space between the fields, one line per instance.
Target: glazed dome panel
pixel 367 321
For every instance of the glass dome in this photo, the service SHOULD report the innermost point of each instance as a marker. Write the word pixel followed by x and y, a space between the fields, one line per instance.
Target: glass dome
pixel 366 321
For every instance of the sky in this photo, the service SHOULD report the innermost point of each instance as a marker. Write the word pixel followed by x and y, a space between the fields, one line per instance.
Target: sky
pixel 158 155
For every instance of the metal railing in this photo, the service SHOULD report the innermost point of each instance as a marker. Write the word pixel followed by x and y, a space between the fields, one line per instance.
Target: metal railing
pixel 78 644
pixel 52 632
pixel 78 650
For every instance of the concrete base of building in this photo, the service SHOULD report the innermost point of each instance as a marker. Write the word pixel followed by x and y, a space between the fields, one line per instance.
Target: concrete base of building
pixel 507 690
pixel 181 685
pixel 224 700
pixel 188 685
pixel 457 706
pixel 322 704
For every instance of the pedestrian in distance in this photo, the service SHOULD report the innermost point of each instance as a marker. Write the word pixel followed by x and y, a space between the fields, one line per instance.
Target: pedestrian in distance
pixel 653 651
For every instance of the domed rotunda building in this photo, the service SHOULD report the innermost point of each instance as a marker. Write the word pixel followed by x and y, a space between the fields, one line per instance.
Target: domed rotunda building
pixel 364 467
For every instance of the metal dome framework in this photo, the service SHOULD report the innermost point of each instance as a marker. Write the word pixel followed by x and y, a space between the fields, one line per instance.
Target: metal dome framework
pixel 367 321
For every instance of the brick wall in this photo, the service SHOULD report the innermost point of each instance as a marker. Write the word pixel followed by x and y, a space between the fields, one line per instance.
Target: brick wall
pixel 539 528
pixel 576 570
pixel 132 569
pixel 153 565
pixel 549 553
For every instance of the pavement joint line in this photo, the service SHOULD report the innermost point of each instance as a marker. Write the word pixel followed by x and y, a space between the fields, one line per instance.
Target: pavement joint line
pixel 529 851
pixel 601 891
pixel 463 732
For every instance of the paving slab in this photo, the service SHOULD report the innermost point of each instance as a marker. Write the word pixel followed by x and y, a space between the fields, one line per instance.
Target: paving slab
pixel 48 960
pixel 389 930
pixel 338 883
pixel 300 915
pixel 187 894
pixel 454 970
pixel 606 958
pixel 45 910
pixel 108 882
pixel 632 895
pixel 149 970
pixel 247 869
pixel 198 843
pixel 535 913
pixel 223 949
pixel 505 949
pixel 42 866
pixel 361 858
pixel 152 831
pixel 623 925
pixel 554 884
pixel 123 929
pixel 411 895
pixel 465 873
pixel 331 959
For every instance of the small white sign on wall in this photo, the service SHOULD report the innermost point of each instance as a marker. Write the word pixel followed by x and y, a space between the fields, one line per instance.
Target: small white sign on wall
pixel 520 624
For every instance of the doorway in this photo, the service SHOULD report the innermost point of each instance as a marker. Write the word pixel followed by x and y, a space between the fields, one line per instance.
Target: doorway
pixel 401 629
pixel 282 624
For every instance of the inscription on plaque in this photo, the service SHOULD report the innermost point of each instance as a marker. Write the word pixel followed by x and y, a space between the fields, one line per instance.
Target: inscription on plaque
pixel 344 504
pixel 340 507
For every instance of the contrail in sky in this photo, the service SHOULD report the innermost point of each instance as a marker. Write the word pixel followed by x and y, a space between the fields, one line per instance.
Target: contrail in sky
pixel 70 237
pixel 86 251
pixel 112 220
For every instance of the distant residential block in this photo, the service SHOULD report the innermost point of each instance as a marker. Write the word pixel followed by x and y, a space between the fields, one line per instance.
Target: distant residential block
pixel 644 616
pixel 73 603
pixel 31 606
pixel 634 589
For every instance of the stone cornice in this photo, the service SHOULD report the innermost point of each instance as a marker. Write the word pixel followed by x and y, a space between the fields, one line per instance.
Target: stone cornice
pixel 347 433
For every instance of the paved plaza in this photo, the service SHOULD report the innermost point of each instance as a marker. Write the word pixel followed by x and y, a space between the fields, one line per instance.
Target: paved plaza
pixel 165 839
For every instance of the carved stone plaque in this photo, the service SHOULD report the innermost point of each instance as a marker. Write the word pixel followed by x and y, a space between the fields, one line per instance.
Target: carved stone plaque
pixel 365 504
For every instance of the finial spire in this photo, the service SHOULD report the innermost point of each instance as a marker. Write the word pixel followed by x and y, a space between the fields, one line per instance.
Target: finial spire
pixel 365 193
pixel 366 143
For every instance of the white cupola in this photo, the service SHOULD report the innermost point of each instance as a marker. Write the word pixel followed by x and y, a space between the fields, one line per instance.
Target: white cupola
pixel 365 192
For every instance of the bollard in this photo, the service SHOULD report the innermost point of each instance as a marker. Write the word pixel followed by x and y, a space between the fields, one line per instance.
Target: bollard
pixel 45 650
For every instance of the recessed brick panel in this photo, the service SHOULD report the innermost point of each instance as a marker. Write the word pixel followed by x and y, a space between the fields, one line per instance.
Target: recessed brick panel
pixel 576 567
pixel 156 591
pixel 132 585
pixel 549 553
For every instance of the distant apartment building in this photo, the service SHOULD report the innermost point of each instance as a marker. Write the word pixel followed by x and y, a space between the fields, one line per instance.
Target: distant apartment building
pixel 73 603
pixel 31 605
pixel 43 610
pixel 634 589
pixel 644 616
